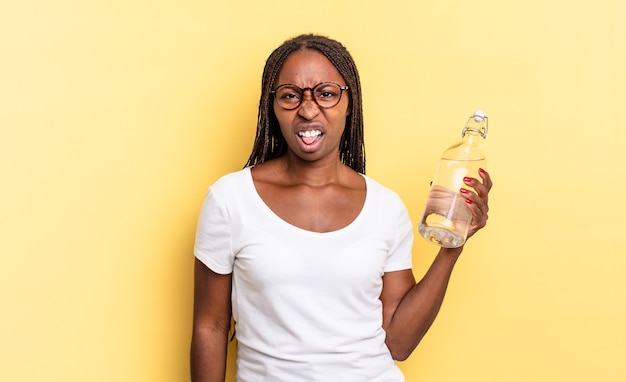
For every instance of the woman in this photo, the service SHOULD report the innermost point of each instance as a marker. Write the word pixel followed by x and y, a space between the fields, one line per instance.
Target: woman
pixel 311 257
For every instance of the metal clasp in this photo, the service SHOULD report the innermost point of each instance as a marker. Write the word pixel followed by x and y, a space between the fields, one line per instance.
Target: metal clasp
pixel 482 131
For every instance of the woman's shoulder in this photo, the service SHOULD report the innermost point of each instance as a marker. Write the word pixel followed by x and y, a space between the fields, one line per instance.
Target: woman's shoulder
pixel 233 179
pixel 376 186
pixel 381 193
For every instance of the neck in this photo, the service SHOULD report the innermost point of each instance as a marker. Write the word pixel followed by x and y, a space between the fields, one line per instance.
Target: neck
pixel 317 173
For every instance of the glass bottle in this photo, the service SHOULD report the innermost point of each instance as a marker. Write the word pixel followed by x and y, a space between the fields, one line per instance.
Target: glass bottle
pixel 446 218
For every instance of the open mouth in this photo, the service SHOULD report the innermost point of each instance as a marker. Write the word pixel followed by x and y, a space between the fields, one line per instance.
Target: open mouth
pixel 309 136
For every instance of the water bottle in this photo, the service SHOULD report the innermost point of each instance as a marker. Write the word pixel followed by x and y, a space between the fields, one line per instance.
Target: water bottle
pixel 446 218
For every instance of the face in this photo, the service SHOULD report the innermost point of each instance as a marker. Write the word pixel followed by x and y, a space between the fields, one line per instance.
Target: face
pixel 311 133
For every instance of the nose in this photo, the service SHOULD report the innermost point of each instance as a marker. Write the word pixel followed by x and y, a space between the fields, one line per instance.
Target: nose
pixel 308 108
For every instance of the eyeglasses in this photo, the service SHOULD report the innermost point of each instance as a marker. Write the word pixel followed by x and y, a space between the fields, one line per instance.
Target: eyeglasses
pixel 325 95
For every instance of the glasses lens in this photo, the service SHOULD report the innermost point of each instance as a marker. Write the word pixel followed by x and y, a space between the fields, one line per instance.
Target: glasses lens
pixel 327 94
pixel 288 96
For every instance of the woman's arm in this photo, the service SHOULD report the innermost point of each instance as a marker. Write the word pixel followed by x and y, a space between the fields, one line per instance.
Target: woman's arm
pixel 211 323
pixel 409 309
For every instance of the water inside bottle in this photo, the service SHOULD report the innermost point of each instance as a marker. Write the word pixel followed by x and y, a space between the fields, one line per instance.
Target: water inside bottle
pixel 446 219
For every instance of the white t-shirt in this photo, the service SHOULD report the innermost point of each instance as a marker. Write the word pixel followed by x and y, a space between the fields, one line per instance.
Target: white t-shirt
pixel 306 304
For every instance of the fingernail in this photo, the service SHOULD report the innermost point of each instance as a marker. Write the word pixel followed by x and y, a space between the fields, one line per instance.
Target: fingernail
pixel 464 191
pixel 482 170
pixel 468 201
pixel 467 180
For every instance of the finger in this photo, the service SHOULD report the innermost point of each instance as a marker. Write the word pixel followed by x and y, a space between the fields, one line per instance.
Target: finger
pixel 478 205
pixel 486 179
pixel 479 219
pixel 478 201
pixel 487 184
pixel 481 190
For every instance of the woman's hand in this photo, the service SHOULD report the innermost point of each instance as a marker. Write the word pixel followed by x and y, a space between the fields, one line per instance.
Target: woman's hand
pixel 478 201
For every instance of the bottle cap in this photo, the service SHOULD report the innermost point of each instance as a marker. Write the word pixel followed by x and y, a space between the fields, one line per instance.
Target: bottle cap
pixel 479 115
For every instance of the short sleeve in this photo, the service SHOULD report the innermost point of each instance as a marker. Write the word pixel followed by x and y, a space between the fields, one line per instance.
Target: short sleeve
pixel 400 253
pixel 213 245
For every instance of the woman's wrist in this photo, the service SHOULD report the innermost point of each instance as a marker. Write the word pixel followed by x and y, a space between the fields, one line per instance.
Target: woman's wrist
pixel 456 252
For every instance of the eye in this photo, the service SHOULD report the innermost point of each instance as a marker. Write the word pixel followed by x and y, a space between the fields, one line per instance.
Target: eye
pixel 288 94
pixel 327 92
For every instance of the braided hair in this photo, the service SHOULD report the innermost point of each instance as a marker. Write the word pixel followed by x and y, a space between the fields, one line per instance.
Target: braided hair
pixel 269 142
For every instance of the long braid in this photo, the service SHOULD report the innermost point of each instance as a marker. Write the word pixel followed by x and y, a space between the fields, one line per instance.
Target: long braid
pixel 269 142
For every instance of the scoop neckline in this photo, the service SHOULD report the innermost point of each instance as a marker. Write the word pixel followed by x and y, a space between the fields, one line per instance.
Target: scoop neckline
pixel 270 213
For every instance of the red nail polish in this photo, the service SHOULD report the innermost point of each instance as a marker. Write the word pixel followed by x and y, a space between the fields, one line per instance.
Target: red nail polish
pixel 464 191
pixel 482 170
pixel 467 179
pixel 468 201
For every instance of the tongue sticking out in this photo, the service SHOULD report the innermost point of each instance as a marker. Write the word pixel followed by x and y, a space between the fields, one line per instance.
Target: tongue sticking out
pixel 309 140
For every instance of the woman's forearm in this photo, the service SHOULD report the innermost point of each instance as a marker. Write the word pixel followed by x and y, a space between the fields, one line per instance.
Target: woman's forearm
pixel 208 355
pixel 420 306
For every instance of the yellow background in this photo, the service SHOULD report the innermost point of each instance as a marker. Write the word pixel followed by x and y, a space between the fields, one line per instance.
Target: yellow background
pixel 115 117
